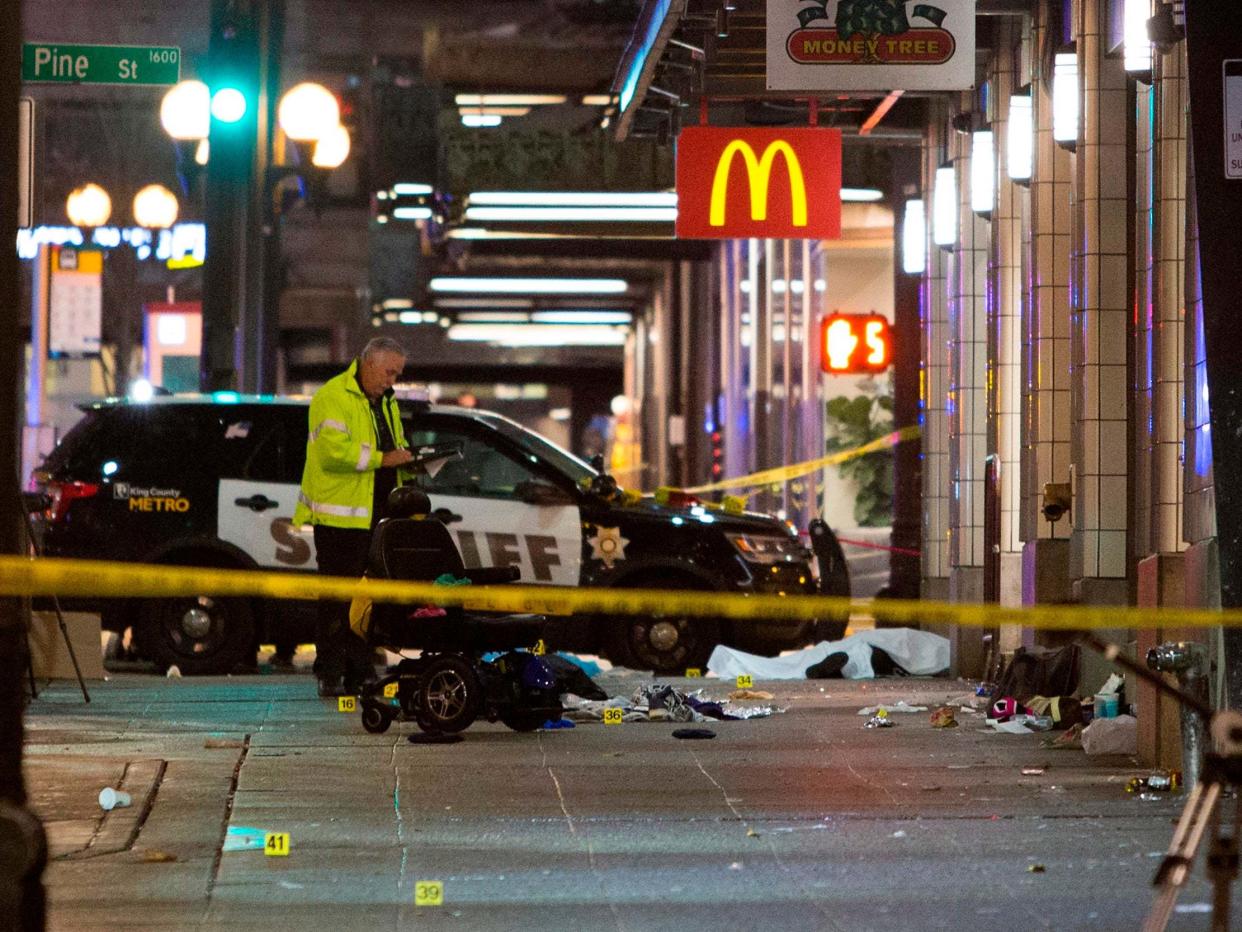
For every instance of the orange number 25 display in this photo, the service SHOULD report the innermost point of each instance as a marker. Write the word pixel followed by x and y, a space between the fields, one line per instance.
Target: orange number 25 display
pixel 854 344
pixel 736 182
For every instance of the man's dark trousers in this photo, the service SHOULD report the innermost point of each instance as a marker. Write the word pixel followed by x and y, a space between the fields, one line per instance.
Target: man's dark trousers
pixel 338 651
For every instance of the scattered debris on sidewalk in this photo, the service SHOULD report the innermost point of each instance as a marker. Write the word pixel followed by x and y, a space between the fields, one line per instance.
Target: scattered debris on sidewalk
pixel 1034 771
pixel 173 672
pixel 1068 740
pixel 693 733
pixel 1160 782
pixel 212 742
pixel 943 718
pixel 1036 869
pixel 1111 735
pixel 654 702
pixel 899 706
pixel 244 838
pixel 896 650
pixel 155 856
pixel 751 694
pixel 879 720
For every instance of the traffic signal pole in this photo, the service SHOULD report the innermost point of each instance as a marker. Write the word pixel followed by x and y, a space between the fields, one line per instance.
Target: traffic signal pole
pixel 23 847
pixel 233 275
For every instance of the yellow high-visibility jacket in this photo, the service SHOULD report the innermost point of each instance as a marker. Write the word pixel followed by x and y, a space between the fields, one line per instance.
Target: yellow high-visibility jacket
pixel 342 454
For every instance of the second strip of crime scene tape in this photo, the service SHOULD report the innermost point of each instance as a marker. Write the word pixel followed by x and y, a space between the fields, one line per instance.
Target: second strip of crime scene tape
pixel 779 474
pixel 52 576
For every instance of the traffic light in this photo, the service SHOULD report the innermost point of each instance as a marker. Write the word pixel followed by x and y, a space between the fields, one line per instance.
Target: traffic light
pixel 853 344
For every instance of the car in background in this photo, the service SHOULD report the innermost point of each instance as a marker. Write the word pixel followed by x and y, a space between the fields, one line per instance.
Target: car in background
pixel 211 480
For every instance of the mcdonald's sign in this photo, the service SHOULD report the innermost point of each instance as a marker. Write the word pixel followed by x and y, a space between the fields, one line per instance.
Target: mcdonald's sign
pixel 769 183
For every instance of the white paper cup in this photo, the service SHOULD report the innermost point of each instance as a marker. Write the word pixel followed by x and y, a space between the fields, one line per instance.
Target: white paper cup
pixel 111 799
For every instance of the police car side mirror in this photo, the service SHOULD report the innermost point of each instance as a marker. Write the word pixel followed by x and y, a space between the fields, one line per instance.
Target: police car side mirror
pixel 542 493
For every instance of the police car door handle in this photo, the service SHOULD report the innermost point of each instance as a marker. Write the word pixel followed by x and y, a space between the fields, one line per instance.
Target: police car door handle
pixel 257 502
pixel 444 516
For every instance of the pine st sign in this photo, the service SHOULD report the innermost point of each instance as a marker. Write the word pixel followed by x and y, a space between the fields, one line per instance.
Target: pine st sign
pixel 870 45
pixel 739 182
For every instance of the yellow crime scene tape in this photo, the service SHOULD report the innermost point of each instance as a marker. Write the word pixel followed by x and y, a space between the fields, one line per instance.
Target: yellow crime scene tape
pixel 779 474
pixel 24 576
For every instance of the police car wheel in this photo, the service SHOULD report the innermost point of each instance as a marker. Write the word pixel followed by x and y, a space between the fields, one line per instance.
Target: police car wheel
pixel 199 635
pixel 663 643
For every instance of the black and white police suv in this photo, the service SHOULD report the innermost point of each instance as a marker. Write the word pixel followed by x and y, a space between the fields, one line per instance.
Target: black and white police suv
pixel 211 480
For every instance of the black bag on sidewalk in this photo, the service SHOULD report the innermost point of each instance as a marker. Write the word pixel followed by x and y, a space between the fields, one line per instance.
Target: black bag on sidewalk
pixel 1041 671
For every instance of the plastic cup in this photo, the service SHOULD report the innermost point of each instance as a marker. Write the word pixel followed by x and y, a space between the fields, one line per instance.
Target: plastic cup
pixel 110 799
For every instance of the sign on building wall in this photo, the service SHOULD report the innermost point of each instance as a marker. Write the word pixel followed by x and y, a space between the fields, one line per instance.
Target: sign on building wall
pixel 854 344
pixel 737 182
pixel 870 45
pixel 75 303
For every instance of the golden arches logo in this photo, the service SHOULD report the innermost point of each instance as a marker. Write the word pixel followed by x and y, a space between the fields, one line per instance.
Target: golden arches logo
pixel 758 176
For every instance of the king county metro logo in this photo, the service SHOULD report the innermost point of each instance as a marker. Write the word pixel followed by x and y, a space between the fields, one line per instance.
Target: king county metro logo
pixel 870 32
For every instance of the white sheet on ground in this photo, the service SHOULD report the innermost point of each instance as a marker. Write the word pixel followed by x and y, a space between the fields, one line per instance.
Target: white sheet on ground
pixel 919 652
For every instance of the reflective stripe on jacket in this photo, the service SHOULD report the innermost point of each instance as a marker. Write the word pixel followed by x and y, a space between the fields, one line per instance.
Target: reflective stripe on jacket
pixel 342 454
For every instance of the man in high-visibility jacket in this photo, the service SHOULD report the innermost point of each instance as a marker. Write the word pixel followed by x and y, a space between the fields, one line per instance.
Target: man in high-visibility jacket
pixel 353 454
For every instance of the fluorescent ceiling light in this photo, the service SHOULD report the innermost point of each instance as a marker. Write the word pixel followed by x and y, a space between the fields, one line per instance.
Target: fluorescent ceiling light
pixel 484 302
pixel 396 304
pixel 480 233
pixel 493 317
pixel 914 238
pixel 409 187
pixel 861 194
pixel 538 334
pixel 508 100
pixel 1134 35
pixel 596 100
pixel 982 172
pixel 480 119
pixel 1065 99
pixel 417 317
pixel 496 111
pixel 411 213
pixel 573 214
pixel 584 316
pixel 1020 141
pixel 530 285
pixel 572 199
pixel 944 206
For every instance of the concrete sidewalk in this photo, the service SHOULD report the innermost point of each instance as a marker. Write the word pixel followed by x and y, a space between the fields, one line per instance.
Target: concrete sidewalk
pixel 805 820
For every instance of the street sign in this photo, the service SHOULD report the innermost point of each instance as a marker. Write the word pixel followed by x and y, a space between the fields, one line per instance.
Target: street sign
pixel 49 62
pixel 1232 68
pixel 25 162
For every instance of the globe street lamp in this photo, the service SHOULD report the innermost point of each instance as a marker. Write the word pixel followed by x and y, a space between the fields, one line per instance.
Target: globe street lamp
pixel 88 206
pixel 155 207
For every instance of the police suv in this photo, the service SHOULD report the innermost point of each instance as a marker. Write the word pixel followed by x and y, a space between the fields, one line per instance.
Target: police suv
pixel 211 480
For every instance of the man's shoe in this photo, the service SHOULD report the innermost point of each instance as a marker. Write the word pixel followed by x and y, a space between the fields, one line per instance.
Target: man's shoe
pixel 330 687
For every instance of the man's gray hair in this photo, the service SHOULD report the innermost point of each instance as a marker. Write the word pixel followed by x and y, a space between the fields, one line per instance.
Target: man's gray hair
pixel 382 345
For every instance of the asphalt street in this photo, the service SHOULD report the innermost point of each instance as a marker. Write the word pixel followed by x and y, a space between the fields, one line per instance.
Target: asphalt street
pixel 804 820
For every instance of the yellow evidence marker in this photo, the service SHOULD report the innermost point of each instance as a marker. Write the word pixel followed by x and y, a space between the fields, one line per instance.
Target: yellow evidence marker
pixel 745 681
pixel 347 704
pixel 540 648
pixel 429 893
pixel 693 673
pixel 390 691
pixel 276 844
pixel 613 716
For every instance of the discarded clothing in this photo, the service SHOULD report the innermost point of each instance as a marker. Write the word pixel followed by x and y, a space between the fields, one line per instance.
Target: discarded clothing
pixel 921 653
pixel 571 678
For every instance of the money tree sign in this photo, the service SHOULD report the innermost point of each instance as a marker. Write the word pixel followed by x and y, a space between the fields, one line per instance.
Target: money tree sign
pixel 870 45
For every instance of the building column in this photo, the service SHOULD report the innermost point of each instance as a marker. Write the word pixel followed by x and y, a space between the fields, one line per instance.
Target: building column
pixel 1005 329
pixel 1100 290
pixel 934 328
pixel 967 415
pixel 1046 332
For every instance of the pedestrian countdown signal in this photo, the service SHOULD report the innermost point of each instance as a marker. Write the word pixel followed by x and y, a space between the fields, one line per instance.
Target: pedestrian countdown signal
pixel 854 344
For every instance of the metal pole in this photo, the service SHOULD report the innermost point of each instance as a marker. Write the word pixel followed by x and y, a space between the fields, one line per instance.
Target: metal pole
pixel 21 836
pixel 233 55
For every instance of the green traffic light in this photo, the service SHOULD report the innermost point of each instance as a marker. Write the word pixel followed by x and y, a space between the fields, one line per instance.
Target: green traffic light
pixel 228 105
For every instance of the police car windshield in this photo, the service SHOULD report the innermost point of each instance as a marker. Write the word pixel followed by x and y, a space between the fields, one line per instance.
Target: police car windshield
pixel 545 449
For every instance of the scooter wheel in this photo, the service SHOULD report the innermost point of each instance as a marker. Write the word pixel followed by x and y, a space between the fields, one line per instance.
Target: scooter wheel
pixel 375 719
